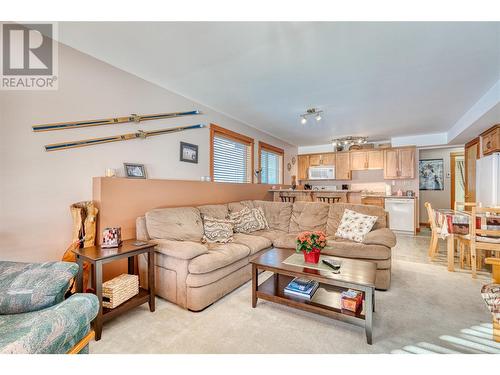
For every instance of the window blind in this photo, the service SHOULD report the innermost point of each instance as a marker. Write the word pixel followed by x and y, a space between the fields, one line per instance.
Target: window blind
pixel 271 167
pixel 232 160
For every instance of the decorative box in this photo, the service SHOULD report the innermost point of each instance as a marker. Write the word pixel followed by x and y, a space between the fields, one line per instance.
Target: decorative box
pixel 351 300
pixel 111 237
pixel 118 290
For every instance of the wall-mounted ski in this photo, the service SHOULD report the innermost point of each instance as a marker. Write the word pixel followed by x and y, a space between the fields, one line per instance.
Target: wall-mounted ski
pixel 110 121
pixel 118 138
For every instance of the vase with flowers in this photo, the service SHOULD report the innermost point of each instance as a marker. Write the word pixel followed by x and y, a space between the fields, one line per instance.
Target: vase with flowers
pixel 311 244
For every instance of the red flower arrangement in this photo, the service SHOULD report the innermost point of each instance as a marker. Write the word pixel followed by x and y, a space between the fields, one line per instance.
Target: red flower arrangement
pixel 311 244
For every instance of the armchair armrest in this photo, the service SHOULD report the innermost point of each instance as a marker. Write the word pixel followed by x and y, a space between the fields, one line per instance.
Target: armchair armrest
pixel 381 236
pixel 52 330
pixel 180 249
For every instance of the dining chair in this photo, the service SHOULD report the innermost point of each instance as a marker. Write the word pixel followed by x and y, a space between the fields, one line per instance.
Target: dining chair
pixel 483 239
pixel 463 241
pixel 435 231
pixel 327 199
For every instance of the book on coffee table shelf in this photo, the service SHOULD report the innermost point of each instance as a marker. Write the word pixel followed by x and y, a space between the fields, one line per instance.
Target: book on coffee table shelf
pixel 301 287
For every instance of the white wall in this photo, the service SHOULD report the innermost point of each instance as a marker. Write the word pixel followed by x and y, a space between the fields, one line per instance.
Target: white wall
pixel 37 187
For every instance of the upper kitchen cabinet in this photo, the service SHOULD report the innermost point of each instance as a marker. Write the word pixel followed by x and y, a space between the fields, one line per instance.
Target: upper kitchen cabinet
pixel 363 159
pixel 490 140
pixel 399 163
pixel 303 166
pixel 314 160
pixel 342 166
pixel 328 159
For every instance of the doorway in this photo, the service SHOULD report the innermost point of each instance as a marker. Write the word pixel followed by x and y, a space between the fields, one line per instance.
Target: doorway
pixel 457 168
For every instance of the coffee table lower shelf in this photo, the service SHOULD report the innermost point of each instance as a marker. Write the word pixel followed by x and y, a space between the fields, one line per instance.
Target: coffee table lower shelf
pixel 326 301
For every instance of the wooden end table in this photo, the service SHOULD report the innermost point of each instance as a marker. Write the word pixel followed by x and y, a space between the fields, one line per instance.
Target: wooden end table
pixel 98 256
pixel 355 274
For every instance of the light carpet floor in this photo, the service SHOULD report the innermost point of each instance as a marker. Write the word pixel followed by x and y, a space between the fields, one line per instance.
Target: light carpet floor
pixel 424 303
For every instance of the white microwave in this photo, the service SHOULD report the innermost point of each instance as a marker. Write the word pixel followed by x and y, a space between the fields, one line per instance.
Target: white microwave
pixel 324 172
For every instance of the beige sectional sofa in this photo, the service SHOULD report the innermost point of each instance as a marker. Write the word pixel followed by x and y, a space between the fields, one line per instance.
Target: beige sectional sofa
pixel 194 275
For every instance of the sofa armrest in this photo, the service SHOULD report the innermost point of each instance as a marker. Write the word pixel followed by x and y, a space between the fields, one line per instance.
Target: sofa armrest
pixel 180 249
pixel 52 330
pixel 381 236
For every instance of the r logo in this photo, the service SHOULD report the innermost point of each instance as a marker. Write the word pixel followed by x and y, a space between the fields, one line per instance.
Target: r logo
pixel 27 49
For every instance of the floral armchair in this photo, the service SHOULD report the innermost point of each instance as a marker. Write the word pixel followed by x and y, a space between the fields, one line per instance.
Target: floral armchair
pixel 491 296
pixel 35 317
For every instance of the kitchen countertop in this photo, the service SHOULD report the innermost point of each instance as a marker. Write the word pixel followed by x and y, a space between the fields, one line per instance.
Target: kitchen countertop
pixel 368 195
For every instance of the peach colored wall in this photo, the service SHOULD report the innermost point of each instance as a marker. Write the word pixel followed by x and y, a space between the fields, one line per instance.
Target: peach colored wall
pixel 121 201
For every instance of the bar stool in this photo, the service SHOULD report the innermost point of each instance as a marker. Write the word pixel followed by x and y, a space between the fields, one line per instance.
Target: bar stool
pixel 328 199
pixel 287 198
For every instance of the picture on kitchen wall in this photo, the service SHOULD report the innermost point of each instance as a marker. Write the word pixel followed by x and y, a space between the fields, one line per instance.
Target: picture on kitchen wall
pixel 189 152
pixel 431 174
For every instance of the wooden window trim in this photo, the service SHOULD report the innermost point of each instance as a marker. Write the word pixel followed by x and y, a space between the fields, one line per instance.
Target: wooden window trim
pixel 267 147
pixel 237 137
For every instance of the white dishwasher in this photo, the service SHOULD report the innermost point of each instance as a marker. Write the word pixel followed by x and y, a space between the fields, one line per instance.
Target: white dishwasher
pixel 401 214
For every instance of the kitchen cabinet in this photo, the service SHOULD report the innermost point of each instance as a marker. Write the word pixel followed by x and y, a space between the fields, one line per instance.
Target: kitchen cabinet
pixel 490 140
pixel 471 155
pixel 375 159
pixel 328 159
pixel 363 159
pixel 373 201
pixel 399 163
pixel 314 160
pixel 343 166
pixel 359 160
pixel 303 166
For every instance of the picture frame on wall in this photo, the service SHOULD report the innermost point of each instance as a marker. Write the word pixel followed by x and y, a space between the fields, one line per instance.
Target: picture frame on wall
pixel 189 153
pixel 134 170
pixel 431 174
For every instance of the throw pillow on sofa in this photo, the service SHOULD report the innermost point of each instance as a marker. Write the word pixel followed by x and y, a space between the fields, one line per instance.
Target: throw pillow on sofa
pixel 355 226
pixel 217 230
pixel 249 220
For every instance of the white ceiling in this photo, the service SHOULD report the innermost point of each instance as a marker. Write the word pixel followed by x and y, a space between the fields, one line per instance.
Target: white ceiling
pixel 374 79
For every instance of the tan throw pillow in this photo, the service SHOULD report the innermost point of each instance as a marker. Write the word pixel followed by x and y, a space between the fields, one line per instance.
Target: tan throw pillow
pixel 249 220
pixel 354 226
pixel 217 230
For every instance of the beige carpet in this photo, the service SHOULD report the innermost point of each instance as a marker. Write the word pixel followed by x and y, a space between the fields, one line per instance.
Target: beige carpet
pixel 424 303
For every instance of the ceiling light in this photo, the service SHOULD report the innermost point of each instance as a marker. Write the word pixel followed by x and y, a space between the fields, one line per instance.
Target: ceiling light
pixel 311 112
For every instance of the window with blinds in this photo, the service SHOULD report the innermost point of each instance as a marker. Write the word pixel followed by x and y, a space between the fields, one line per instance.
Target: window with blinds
pixel 232 158
pixel 271 164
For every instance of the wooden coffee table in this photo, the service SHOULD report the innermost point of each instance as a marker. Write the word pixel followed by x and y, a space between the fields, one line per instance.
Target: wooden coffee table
pixel 354 274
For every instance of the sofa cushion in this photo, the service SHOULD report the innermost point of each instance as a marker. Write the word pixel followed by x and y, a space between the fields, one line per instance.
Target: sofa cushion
pixel 249 220
pixel 355 250
pixel 270 234
pixel 218 256
pixel 182 224
pixel 26 287
pixel 217 230
pixel 355 226
pixel 277 214
pixel 254 243
pixel 382 236
pixel 286 241
pixel 238 206
pixel 180 249
pixel 218 211
pixel 196 280
pixel 309 216
pixel 337 211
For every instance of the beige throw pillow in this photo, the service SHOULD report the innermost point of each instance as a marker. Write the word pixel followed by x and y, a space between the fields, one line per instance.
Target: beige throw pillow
pixel 249 220
pixel 354 226
pixel 217 230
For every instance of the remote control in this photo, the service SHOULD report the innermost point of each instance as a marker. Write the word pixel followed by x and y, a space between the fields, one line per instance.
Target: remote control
pixel 335 266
